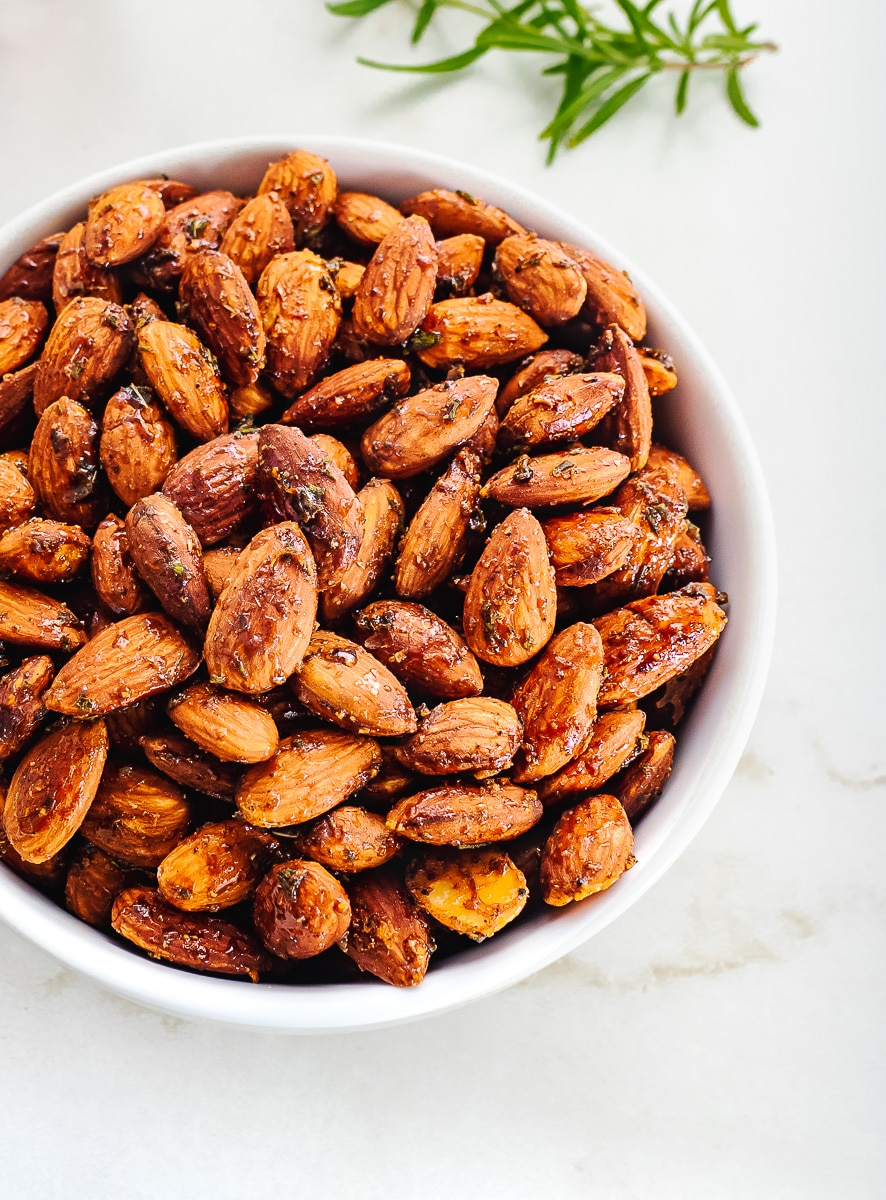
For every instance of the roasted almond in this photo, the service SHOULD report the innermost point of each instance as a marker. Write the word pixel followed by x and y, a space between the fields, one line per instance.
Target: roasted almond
pixel 214 486
pixel 310 773
pixel 347 276
pixel 658 368
pixel 94 879
pixel 135 658
pixel 53 787
pixel 338 453
pixel 23 325
pixel 217 866
pixel 49 876
pixel 198 223
pixel 180 759
pixel 263 620
pixel 250 401
pixel 300 909
pixel 389 935
pixel 123 223
pixel 422 429
pixel 450 213
pixel 392 780
pixel 696 493
pixel 30 276
pixel 16 394
pixel 74 275
pixel 589 848
pixel 184 375
pixel 137 446
pixel 364 218
pixel 611 297
pixel 614 741
pixel 397 288
pixel 63 466
pixel 476 332
pixel 454 814
pixel 586 546
pixel 459 260
pixel 261 229
pixel 217 567
pixel 628 428
pixel 350 839
pixel 343 683
pixel 218 302
pixel 87 346
pixel 644 779
pixel 689 563
pixel 137 815
pixel 478 733
pixel 382 519
pixel 575 476
pixel 167 554
pixel 232 727
pixel 565 407
pixel 673 699
pixel 202 942
pixel 144 308
pixel 28 618
pixel 535 370
pixel 21 703
pixel 300 310
pixel 349 395
pixel 420 649
pixel 541 277
pixel 474 892
pixel 511 601
pixel 43 551
pixel 306 184
pixel 17 499
pixel 117 583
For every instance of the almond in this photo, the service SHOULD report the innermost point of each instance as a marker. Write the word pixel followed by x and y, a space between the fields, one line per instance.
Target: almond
pixel 338 453
pixel 44 551
pixel 451 213
pixel 474 892
pixel 21 703
pixel 300 909
pixel 167 554
pixel 172 191
pixel 476 332
pixel 216 867
pixel 364 218
pixel 180 759
pixel 347 276
pixel 198 223
pixel 389 936
pixel 261 229
pixel 53 787
pixel 23 325
pixel 217 567
pixel 30 276
pixel 306 184
pixel 537 369
pixel 644 779
pixel 63 466
pixel 250 401
pixel 455 814
pixel 311 772
pixel 696 493
pixel 74 275
pixel 16 394
pixel 422 429
pixel 382 519
pixel 202 942
pixel 568 406
pixel 484 442
pixel 397 288
pixel 511 602
pixel 459 260
pixel 673 699
pixel 628 428
pixel 28 618
pixel 589 849
pixel 230 726
pixel 392 781
pixel 587 546
pixel 541 277
pixel 94 879
pixel 137 446
pixel 218 302
pixel 658 367
pixel 263 620
pixel 579 475
pixel 184 375
pixel 341 682
pixel 48 877
pixel 300 311
pixel 123 223
pixel 420 649
pixel 614 741
pixel 689 563
pixel 611 297
pixel 137 815
pixel 478 733
pixel 350 839
pixel 214 486
pixel 143 309
pixel 349 395
pixel 17 499
pixel 135 658
pixel 114 577
pixel 86 348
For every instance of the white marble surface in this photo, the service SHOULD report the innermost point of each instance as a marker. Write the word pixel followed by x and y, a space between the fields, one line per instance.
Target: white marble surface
pixel 725 1037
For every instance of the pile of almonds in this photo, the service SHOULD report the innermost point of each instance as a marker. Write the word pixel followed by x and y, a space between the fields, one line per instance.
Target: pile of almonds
pixel 344 591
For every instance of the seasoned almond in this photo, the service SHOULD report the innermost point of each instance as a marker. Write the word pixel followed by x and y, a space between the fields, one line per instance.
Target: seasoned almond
pixel 461 815
pixel 611 298
pixel 459 260
pixel 47 877
pixel 568 406
pixel 18 459
pixel 628 428
pixel 477 332
pixel 114 577
pixel 53 787
pixel 349 395
pixel 350 839
pixel 43 551
pixel 123 223
pixel 300 310
pixel 614 741
pixel 180 759
pixel 17 499
pixel 137 446
pixel 94 879
pixel 230 726
pixel 198 223
pixel 474 892
pixel 21 703
pixel 587 546
pixel 217 866
pixel 167 554
pixel 588 850
pixel 338 453
pixel 511 602
pixel 172 191
pixel 392 780
pixel 347 276
pixel 541 277
pixel 63 467
pixel 86 348
pixel 184 375
pixel 696 493
pixel 537 369
pixel 649 641
pixel 127 726
pixel 579 475
pixel 343 683
pixel 263 620
pixel 644 779
pixel 23 325
pixel 74 275
pixel 306 184
pixel 389 935
pixel 28 618
pixel 397 287
pixel 674 698
pixel 478 733
pixel 364 218
pixel 382 519
pixel 137 815
pixel 311 772
pixel 143 309
pixel 261 229
pixel 135 658
pixel 450 213
pixel 658 368
pixel 300 909
pixel 202 942
pixel 420 649
pixel 690 561
pixel 250 401
pixel 30 276
pixel 16 394
pixel 437 536
pixel 217 567
pixel 218 302
pixel 214 486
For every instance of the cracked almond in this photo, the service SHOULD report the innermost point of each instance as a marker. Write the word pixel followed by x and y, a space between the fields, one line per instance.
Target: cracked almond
pixel 474 892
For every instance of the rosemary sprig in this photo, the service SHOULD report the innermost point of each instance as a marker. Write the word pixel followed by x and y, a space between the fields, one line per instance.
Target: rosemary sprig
pixel 602 66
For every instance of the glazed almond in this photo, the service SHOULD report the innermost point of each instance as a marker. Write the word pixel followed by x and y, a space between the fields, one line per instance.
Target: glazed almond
pixel 347 276
pixel 300 909
pixel 250 400
pixel 382 519
pixel 261 229
pixel 389 936
pixel 420 649
pixel 474 892
pixel 306 184
pixel 690 561
pixel 232 727
pixel 511 601
pixel 397 288
pixel 462 815
pixel 197 223
pixel 218 302
pixel 310 773
pixel 537 369
pixel 183 374
pixel 541 277
pixel 63 465
pixel 568 406
pixel 478 733
pixel 28 618
pixel 350 839
pixel 43 551
pixel 23 325
pixel 94 879
pixel 586 546
pixel 696 493
pixel 263 620
pixel 459 260
pixel 611 297
pixel 579 475
pixel 21 703
pixel 87 347
pixel 183 762
pixel 349 395
pixel 17 499
pixel 123 223
pixel 137 815
pixel 16 394
pixel 477 332
pixel 214 486
pixel 74 275
pixel 116 581
pixel 167 554
pixel 300 311
pixel 644 779
pixel 30 276
pixel 658 367
pixel 135 658
pixel 137 446
pixel 628 427
pixel 217 567
pixel 338 453
pixel 450 213
pixel 364 218
pixel 52 789
pixel 217 866
pixel 588 850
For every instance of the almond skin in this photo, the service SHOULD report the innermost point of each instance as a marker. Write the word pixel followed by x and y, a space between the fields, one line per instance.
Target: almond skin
pixel 611 297
pixel 44 551
pixel 198 223
pixel 21 703
pixel 341 682
pixel 137 815
pixel 137 446
pixel 28 618
pixel 474 892
pixel 389 935
pixel 306 184
pixel 217 866
pixel 349 395
pixel 628 427
pixel 310 773
pixel 575 476
pixel 477 332
pixel 537 369
pixel 474 734
pixel 167 554
pixel 17 498
pixel 74 275
pixel 23 325
pixel 52 789
pixel 644 779
pixel 135 658
pixel 263 620
pixel 397 288
pixel 461 815
pixel 30 276
pixel 301 311
pixel 230 726
pixel 350 839
pixel 261 229
pixel 183 374
pixel 588 850
pixel 541 277
pixel 219 303
pixel 451 213
pixel 116 581
pixel 300 909
pixel 180 759
pixel 382 520
pixel 421 430
pixel 123 223
pixel 568 406
pixel 214 486
pixel 511 602
pixel 87 347
pixel 459 260
pixel 94 879
pixel 364 218
pixel 587 546
pixel 614 741
pixel 201 942
pixel 420 649
pixel 63 465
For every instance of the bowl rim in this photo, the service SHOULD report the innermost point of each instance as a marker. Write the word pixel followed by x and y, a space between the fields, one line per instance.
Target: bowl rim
pixel 479 972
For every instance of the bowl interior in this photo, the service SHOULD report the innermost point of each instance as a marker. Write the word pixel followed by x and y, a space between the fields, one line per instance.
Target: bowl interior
pixel 699 419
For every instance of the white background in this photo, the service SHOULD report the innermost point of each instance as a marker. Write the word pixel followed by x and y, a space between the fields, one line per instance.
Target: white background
pixel 725 1037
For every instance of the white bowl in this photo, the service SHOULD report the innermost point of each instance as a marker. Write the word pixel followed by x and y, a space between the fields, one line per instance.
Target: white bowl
pixel 701 419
